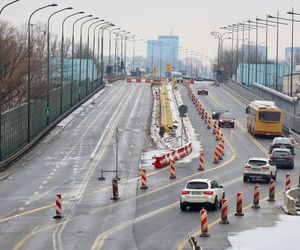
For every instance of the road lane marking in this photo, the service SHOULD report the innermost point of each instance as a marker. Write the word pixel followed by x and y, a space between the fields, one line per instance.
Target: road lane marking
pixel 100 240
pixel 213 168
pixel 94 159
pixel 182 244
pixel 244 130
pixel 210 169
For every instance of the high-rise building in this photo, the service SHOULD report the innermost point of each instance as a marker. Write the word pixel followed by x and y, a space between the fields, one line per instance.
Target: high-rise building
pixel 296 52
pixel 163 51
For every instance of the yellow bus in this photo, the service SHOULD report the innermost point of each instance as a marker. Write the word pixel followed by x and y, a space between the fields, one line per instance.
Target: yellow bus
pixel 264 118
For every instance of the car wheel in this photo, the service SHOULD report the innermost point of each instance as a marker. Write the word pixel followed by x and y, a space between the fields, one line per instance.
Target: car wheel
pixel 245 179
pixel 232 126
pixel 216 204
pixel 183 207
pixel 274 176
pixel 292 166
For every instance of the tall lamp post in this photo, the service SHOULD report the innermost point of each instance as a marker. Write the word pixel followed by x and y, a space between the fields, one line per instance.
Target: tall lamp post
pixel 292 38
pixel 72 73
pixel 62 55
pixel 116 68
pixel 277 23
pixel 102 42
pixel 87 55
pixel 109 53
pixel 29 69
pixel 133 50
pixel 48 64
pixel 80 54
pixel 125 51
pixel 1 76
pixel 94 42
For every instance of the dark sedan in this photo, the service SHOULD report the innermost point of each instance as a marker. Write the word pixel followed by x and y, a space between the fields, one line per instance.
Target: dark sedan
pixel 282 157
pixel 202 91
pixel 226 120
pixel 216 112
pixel 281 142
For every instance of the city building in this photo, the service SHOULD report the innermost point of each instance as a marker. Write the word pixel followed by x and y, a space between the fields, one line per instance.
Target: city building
pixel 163 51
pixel 296 52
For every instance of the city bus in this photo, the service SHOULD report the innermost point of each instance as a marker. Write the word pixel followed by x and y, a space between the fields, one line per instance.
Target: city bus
pixel 264 118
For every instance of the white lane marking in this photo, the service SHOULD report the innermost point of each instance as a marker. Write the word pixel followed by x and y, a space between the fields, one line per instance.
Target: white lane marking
pixel 56 236
pixel 36 193
pixel 45 182
pixel 41 187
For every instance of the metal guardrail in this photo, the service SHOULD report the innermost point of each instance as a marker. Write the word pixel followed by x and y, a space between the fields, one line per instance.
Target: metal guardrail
pixel 10 160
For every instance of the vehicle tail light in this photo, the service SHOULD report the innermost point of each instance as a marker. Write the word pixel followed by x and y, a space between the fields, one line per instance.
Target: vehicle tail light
pixel 221 120
pixel 185 192
pixel 290 157
pixel 273 157
pixel 265 168
pixel 208 192
pixel 247 166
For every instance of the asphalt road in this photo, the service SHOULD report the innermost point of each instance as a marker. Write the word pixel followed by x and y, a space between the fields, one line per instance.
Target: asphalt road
pixel 70 163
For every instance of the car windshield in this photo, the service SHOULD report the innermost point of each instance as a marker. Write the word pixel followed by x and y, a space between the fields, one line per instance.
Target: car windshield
pixel 218 110
pixel 197 185
pixel 226 116
pixel 281 153
pixel 282 140
pixel 257 162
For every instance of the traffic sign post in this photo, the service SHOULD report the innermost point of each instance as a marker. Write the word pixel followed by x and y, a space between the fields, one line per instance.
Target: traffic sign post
pixel 182 109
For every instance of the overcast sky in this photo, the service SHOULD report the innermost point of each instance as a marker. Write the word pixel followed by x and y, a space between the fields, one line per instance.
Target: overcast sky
pixel 191 20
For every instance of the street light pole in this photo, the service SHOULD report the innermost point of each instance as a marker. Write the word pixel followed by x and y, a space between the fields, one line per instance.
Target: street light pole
pixel 94 42
pixel 80 56
pixel 1 78
pixel 29 70
pixel 109 54
pixel 72 73
pixel 102 42
pixel 48 64
pixel 87 56
pixel 62 53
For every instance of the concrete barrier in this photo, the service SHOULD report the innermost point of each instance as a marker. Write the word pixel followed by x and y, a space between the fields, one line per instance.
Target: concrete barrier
pixel 291 201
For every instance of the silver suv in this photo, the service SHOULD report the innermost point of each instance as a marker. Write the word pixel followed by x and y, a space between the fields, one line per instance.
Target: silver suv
pixel 259 168
pixel 201 191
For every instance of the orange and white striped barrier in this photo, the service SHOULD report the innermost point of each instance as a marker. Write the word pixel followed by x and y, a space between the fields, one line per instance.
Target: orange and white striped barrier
pixel 58 210
pixel 219 151
pixel 202 113
pixel 222 144
pixel 224 212
pixel 208 123
pixel 115 189
pixel 204 223
pixel 239 204
pixel 172 169
pixel 287 182
pixel 215 127
pixel 205 117
pixel 216 156
pixel 217 133
pixel 144 178
pixel 201 161
pixel 256 197
pixel 271 190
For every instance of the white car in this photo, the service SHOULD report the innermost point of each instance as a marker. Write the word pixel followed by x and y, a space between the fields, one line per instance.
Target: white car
pixel 259 168
pixel 201 191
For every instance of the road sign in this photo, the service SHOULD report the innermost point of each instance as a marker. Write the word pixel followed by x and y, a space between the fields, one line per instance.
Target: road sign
pixel 182 109
pixel 168 74
pixel 154 71
pixel 168 68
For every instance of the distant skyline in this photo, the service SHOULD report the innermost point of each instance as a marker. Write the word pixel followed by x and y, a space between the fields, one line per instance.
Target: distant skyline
pixel 191 20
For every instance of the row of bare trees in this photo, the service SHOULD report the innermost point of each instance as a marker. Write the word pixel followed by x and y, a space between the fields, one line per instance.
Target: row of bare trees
pixel 14 57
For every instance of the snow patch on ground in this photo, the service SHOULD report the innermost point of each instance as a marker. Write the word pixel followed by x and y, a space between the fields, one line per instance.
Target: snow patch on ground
pixel 284 235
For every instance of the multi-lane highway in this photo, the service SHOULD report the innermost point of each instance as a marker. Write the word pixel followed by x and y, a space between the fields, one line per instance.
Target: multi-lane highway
pixel 69 161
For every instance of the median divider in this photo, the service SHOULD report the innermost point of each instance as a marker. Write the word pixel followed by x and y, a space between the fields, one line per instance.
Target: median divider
pixel 177 154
